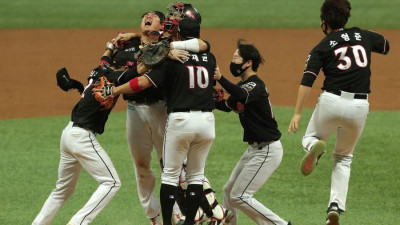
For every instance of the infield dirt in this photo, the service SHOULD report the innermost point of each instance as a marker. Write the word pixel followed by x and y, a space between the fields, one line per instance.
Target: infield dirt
pixel 31 57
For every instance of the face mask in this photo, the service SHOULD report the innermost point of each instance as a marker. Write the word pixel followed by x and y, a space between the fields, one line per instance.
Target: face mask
pixel 236 69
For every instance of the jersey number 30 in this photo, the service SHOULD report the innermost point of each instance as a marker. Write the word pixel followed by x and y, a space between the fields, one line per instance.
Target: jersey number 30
pixel 359 53
pixel 199 75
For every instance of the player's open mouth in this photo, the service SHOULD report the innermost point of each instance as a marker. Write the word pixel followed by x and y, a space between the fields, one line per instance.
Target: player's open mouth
pixel 147 23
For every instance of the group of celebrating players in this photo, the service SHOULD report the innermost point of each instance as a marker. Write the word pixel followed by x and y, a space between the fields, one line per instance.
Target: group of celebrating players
pixel 169 107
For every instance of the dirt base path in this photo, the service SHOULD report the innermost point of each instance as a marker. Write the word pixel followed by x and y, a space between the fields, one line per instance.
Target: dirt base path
pixel 30 59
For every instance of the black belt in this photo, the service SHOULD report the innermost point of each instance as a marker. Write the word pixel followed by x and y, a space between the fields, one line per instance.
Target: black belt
pixel 259 142
pixel 145 100
pixel 356 96
pixel 188 110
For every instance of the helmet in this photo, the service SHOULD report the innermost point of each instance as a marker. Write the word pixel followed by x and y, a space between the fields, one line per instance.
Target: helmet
pixel 189 28
pixel 186 10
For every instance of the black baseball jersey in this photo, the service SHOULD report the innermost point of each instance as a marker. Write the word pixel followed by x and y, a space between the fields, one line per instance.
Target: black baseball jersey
pixel 149 95
pixel 250 99
pixel 187 86
pixel 345 57
pixel 88 113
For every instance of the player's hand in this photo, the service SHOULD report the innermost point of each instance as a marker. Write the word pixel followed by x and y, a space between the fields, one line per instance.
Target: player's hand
pixel 178 55
pixel 217 73
pixel 294 124
pixel 142 68
pixel 123 37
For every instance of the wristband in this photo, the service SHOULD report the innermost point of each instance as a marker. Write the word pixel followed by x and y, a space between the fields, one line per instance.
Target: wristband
pixel 110 46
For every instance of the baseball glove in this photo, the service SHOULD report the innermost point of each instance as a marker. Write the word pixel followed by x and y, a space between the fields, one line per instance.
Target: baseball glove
pixel 102 92
pixel 66 83
pixel 218 94
pixel 153 54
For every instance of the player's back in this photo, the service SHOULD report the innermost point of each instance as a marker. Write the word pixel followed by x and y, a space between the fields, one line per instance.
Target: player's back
pixel 345 57
pixel 188 85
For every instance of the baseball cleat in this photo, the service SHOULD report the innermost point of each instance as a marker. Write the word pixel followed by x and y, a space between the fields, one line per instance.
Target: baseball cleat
pixel 310 160
pixel 333 214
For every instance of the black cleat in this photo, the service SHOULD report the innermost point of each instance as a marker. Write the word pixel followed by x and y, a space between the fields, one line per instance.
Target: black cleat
pixel 333 214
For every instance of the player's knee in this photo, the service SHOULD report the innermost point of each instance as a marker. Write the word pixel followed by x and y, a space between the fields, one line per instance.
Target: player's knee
pixel 235 200
pixel 143 173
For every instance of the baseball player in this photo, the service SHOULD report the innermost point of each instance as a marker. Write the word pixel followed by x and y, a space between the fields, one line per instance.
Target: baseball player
pixel 345 57
pixel 190 129
pixel 250 99
pixel 146 114
pixel 80 148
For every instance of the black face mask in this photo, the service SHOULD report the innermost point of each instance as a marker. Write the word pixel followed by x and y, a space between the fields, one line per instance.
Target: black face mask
pixel 236 69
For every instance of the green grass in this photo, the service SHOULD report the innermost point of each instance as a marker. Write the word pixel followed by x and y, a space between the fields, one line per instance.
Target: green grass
pixel 220 14
pixel 30 153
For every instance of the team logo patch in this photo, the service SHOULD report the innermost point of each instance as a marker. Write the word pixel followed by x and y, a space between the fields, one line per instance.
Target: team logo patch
pixel 249 86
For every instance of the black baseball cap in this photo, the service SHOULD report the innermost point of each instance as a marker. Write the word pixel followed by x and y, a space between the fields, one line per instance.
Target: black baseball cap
pixel 189 28
pixel 158 13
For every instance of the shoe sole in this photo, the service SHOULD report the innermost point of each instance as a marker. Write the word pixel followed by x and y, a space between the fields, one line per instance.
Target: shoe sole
pixel 310 159
pixel 333 218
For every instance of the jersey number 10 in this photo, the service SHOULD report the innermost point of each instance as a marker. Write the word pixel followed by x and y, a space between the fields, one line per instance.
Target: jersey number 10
pixel 359 53
pixel 199 75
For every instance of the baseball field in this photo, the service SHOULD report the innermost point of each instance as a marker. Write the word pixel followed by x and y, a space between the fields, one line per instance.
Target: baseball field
pixel 39 37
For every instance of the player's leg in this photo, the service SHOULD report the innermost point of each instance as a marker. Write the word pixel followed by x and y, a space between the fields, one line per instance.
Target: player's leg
pixel 263 162
pixel 68 174
pixel 98 164
pixel 324 121
pixel 176 146
pixel 229 185
pixel 212 209
pixel 203 124
pixel 139 137
pixel 347 137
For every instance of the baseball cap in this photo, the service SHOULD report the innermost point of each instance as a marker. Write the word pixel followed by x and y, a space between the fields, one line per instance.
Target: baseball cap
pixel 189 28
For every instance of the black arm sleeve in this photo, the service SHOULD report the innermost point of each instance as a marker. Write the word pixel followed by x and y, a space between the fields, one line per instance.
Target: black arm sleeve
pixel 232 88
pixel 105 59
pixel 222 106
pixel 122 77
pixel 127 76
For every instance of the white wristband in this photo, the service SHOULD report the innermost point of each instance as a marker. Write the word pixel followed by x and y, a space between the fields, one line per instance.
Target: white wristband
pixel 110 46
pixel 191 45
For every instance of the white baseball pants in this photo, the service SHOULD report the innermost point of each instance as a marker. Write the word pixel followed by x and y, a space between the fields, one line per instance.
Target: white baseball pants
pixel 251 172
pixel 80 148
pixel 188 134
pixel 346 116
pixel 145 126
